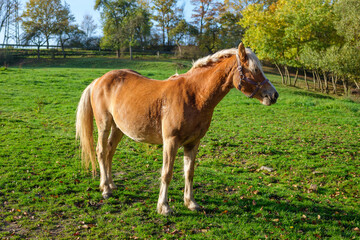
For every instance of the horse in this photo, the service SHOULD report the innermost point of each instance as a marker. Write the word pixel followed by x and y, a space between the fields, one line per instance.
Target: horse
pixel 174 112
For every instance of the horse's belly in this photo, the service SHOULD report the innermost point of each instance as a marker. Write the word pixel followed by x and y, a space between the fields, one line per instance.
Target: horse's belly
pixel 141 132
pixel 144 137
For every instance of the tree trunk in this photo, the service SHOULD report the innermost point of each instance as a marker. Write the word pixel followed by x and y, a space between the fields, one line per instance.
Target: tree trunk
pixel 163 35
pixel 296 76
pixel 288 78
pixel 281 74
pixel 118 52
pixel 63 49
pixel 179 47
pixel 326 82
pixel 345 84
pixel 130 52
pixel 319 81
pixel 306 82
pixel 357 85
pixel 333 80
pixel 314 80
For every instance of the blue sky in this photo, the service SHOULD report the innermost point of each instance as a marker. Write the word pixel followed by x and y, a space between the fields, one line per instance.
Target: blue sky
pixel 79 8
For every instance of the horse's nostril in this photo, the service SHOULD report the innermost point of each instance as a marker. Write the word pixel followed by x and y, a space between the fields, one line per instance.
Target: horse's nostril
pixel 276 95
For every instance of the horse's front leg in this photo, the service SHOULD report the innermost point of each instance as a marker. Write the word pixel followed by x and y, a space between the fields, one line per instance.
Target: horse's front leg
pixel 170 148
pixel 190 152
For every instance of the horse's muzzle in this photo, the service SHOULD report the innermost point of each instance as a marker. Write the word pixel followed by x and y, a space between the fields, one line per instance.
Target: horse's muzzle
pixel 274 97
pixel 270 99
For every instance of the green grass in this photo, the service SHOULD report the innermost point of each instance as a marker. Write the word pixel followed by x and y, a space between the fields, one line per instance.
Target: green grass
pixel 307 138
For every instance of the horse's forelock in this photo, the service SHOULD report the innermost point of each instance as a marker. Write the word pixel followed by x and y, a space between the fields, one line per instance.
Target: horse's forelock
pixel 254 62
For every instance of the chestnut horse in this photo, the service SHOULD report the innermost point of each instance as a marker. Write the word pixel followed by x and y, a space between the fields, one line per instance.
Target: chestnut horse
pixel 175 112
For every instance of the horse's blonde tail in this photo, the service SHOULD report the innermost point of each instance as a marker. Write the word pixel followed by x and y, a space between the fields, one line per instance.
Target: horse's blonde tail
pixel 85 128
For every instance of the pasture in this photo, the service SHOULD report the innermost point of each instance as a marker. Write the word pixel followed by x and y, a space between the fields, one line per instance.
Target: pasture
pixel 309 140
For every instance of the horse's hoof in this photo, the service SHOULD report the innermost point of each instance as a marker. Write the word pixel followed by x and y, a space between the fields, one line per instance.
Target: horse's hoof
pixel 193 206
pixel 164 209
pixel 112 186
pixel 107 195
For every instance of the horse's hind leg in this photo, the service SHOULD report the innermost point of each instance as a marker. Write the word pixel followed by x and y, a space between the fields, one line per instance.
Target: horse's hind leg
pixel 103 123
pixel 114 139
pixel 190 152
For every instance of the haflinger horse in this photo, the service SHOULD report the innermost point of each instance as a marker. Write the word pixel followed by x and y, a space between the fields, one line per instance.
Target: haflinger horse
pixel 175 112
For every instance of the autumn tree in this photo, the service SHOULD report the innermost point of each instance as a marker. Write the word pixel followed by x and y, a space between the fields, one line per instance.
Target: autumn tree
pixel 239 5
pixel 230 32
pixel 201 13
pixel 40 19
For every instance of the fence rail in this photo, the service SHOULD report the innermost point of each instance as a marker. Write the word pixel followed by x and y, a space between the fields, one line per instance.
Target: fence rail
pixel 23 51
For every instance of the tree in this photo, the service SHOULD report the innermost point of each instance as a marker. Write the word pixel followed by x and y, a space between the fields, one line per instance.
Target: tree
pixel 347 23
pixel 142 25
pixel 264 31
pixel 114 13
pixel 135 27
pixel 88 25
pixel 165 14
pixel 124 21
pixel 64 27
pixel 40 18
pixel 181 29
pixel 35 36
pixel 281 31
pixel 201 13
pixel 231 33
pixel 347 56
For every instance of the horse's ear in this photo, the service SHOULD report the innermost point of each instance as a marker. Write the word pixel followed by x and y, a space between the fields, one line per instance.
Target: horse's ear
pixel 242 52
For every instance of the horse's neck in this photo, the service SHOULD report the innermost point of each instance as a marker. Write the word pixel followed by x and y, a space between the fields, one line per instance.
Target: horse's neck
pixel 212 83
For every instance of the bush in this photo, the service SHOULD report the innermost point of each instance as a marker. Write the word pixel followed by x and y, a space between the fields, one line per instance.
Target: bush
pixel 6 57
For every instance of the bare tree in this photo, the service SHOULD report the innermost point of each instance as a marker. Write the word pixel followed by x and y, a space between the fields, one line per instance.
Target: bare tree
pixel 88 25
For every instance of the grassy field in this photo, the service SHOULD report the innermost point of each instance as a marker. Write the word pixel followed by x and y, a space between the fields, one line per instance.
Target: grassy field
pixel 311 141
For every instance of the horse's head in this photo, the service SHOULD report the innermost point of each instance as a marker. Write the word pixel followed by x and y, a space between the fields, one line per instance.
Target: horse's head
pixel 250 79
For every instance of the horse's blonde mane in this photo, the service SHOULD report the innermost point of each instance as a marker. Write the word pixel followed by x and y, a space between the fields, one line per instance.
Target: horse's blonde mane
pixel 254 62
